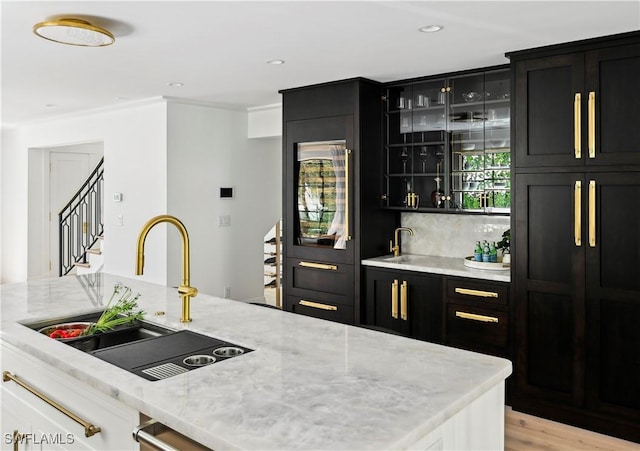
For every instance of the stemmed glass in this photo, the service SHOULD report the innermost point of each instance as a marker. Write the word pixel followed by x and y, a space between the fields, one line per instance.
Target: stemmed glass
pixel 423 155
pixel 404 156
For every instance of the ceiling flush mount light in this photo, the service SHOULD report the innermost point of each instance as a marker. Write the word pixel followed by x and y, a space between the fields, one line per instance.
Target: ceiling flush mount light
pixel 430 28
pixel 275 62
pixel 74 32
pixel 175 84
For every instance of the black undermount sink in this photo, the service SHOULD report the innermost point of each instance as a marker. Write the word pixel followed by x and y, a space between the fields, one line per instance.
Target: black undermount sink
pixel 148 350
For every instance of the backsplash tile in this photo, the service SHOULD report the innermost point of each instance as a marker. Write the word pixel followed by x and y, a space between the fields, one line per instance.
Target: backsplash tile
pixel 443 235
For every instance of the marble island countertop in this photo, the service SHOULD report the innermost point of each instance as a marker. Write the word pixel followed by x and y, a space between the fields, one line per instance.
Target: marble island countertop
pixel 436 265
pixel 309 384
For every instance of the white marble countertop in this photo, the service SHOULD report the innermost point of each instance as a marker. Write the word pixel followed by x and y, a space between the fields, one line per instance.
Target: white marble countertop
pixel 309 384
pixel 436 265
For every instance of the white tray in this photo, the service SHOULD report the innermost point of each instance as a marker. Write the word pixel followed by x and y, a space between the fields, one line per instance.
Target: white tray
pixel 471 263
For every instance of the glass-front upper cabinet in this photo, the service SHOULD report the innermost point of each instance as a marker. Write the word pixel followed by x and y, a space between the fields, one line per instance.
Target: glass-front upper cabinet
pixel 322 188
pixel 447 144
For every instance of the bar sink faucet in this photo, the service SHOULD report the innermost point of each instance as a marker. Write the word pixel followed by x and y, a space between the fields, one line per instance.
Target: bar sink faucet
pixel 186 292
pixel 395 248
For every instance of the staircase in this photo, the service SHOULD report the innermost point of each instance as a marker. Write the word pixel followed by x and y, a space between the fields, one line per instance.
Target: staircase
pixel 81 227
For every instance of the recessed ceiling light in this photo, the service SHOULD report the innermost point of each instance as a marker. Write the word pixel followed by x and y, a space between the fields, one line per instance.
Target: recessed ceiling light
pixel 430 28
pixel 73 31
pixel 175 84
pixel 50 105
pixel 275 62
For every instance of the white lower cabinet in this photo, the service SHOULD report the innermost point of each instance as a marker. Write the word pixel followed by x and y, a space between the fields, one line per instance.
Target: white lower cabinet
pixel 41 426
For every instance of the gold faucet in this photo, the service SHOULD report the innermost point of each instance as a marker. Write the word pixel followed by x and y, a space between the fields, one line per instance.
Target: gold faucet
pixel 186 292
pixel 396 248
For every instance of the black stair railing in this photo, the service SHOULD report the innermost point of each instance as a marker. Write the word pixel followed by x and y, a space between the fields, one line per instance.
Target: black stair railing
pixel 80 221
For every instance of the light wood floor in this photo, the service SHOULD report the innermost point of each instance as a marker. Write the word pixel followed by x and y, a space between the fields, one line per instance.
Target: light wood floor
pixel 526 432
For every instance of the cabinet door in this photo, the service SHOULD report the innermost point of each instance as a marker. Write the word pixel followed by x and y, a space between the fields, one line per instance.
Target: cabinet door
pixel 549 286
pixel 318 189
pixel 545 111
pixel 613 105
pixel 405 302
pixel 613 294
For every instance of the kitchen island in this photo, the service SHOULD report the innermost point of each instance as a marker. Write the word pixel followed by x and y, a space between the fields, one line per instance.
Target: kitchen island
pixel 308 384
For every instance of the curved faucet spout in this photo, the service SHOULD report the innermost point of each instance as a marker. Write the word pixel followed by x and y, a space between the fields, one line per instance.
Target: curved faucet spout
pixel 395 248
pixel 185 290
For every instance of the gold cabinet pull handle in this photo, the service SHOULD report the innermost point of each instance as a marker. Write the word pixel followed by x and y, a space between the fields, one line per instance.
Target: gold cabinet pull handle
pixel 592 213
pixel 478 293
pixel 592 124
pixel 577 213
pixel 318 266
pixel 403 300
pixel 347 229
pixel 394 299
pixel 474 317
pixel 577 125
pixel 317 305
pixel 89 429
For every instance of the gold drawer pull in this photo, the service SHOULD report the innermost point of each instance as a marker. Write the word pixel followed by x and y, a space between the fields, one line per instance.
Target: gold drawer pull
pixel 474 317
pixel 478 293
pixel 592 213
pixel 591 119
pixel 317 305
pixel 577 213
pixel 394 299
pixel 89 429
pixel 577 129
pixel 403 301
pixel 318 266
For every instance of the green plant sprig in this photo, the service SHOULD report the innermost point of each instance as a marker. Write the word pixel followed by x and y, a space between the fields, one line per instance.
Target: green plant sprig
pixel 122 311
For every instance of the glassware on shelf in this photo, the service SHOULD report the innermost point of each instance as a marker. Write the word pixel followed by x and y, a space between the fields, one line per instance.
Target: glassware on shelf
pixel 423 155
pixel 404 157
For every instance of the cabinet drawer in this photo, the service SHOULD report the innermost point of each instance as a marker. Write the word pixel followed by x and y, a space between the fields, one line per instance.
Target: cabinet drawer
pixel 489 292
pixel 115 420
pixel 332 278
pixel 477 328
pixel 321 309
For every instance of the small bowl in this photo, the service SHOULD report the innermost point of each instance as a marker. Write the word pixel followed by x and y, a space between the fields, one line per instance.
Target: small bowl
pixel 66 326
pixel 471 96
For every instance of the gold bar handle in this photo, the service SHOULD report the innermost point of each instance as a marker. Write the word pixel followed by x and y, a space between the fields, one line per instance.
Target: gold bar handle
pixel 592 213
pixel 478 293
pixel 577 126
pixel 315 265
pixel 592 124
pixel 577 213
pixel 403 300
pixel 317 305
pixel 89 429
pixel 347 229
pixel 474 317
pixel 394 299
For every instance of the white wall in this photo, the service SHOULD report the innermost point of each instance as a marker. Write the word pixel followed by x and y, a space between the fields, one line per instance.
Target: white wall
pixel 208 149
pixel 164 157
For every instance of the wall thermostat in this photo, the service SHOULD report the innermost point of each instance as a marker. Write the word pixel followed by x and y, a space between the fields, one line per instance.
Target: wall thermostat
pixel 117 197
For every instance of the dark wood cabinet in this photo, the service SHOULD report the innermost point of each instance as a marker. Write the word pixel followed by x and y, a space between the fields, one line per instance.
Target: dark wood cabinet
pixel 332 170
pixel 578 108
pixel 576 234
pixel 477 316
pixel 405 302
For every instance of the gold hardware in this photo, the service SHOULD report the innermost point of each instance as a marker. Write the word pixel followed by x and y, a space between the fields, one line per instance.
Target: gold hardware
pixel 317 305
pixel 577 213
pixel 592 213
pixel 84 227
pixel 474 317
pixel 592 124
pixel 396 247
pixel 577 126
pixel 443 89
pixel 159 313
pixel 403 300
pixel 479 293
pixel 318 266
pixel 89 429
pixel 17 437
pixel 186 292
pixel 394 299
pixel 347 231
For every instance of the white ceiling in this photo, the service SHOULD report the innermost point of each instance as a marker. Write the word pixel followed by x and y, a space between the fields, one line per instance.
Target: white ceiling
pixel 218 49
